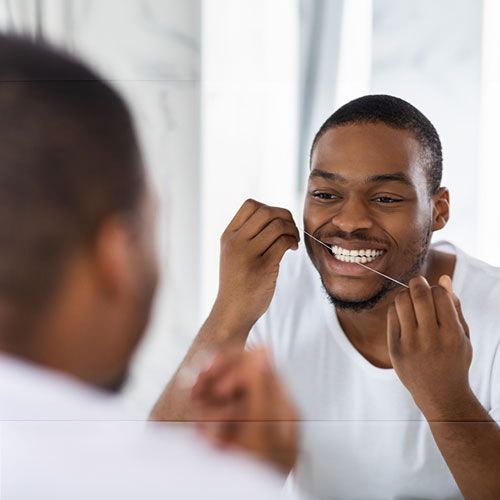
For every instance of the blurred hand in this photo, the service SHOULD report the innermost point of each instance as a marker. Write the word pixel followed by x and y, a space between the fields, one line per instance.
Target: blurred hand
pixel 429 345
pixel 241 404
pixel 252 247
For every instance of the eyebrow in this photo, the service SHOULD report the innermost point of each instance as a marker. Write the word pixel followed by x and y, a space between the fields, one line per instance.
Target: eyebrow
pixel 373 179
pixel 329 176
pixel 395 177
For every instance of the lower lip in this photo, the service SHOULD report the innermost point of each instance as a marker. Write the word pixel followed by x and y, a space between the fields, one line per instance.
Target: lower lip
pixel 349 268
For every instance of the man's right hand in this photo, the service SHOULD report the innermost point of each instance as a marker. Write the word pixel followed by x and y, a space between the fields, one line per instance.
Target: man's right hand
pixel 252 247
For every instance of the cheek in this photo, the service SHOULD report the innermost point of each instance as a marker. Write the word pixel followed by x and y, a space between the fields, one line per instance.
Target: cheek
pixel 406 226
pixel 412 236
pixel 315 216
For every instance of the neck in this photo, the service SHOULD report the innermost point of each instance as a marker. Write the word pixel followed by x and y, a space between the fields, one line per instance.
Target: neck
pixel 67 336
pixel 367 330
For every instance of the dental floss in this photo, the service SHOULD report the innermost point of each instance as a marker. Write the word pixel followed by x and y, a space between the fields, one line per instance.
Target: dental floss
pixel 384 275
pixel 359 263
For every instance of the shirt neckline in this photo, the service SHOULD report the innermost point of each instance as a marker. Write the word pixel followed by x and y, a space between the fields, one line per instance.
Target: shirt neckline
pixel 345 344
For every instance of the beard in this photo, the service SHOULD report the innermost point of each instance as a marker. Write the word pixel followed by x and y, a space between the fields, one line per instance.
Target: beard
pixel 416 260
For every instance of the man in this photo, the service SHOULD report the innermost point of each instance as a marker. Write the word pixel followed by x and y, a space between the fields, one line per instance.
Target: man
pixel 77 277
pixel 380 373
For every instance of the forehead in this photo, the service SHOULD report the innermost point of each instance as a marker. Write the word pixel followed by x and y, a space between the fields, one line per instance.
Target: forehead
pixel 362 150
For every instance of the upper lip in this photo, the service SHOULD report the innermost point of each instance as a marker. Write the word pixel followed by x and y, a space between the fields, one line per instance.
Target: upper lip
pixel 354 245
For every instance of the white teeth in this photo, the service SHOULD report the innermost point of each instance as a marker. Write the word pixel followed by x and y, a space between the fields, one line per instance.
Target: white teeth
pixel 359 256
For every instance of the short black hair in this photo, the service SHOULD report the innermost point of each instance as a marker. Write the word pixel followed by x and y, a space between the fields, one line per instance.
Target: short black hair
pixel 396 113
pixel 69 158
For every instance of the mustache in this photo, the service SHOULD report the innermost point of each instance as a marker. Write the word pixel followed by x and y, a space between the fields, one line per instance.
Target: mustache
pixel 358 235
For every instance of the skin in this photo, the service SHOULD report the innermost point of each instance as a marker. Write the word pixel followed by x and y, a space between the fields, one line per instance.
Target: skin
pixel 374 191
pixel 103 298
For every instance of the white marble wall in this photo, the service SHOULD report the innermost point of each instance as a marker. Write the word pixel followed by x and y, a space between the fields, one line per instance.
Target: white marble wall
pixel 429 53
pixel 150 50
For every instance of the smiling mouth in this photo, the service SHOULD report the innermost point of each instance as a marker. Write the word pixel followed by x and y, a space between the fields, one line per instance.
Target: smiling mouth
pixel 362 256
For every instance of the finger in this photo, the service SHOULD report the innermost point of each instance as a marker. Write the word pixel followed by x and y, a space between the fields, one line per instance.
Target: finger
pixel 393 329
pixel 218 428
pixel 445 282
pixel 276 251
pixel 232 386
pixel 215 411
pixel 272 232
pixel 246 210
pixel 245 388
pixel 262 217
pixel 406 314
pixel 423 304
pixel 243 376
pixel 446 311
pixel 261 382
pixel 461 317
pixel 232 376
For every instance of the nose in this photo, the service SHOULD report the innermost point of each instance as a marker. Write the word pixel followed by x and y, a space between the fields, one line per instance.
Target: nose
pixel 353 215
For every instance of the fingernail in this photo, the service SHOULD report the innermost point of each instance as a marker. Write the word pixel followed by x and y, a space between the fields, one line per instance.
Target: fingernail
pixel 445 282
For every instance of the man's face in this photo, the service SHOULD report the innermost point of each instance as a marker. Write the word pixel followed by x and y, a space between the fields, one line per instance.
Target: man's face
pixel 368 197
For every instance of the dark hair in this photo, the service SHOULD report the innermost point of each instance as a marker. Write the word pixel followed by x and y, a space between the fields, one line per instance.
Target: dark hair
pixel 68 159
pixel 395 113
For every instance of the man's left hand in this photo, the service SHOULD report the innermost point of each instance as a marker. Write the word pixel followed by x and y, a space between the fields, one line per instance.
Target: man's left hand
pixel 429 346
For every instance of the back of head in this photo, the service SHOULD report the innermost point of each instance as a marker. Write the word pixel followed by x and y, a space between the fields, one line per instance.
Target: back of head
pixel 68 159
pixel 396 113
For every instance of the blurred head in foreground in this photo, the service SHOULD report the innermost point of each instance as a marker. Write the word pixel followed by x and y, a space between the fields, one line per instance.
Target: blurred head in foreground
pixel 78 267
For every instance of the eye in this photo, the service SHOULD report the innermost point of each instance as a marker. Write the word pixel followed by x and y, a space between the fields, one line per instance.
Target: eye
pixel 325 196
pixel 387 200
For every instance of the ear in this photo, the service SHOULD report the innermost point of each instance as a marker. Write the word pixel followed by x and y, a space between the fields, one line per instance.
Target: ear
pixel 440 209
pixel 113 253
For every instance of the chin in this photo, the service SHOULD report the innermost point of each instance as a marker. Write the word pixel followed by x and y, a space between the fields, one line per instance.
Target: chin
pixel 356 301
pixel 352 289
